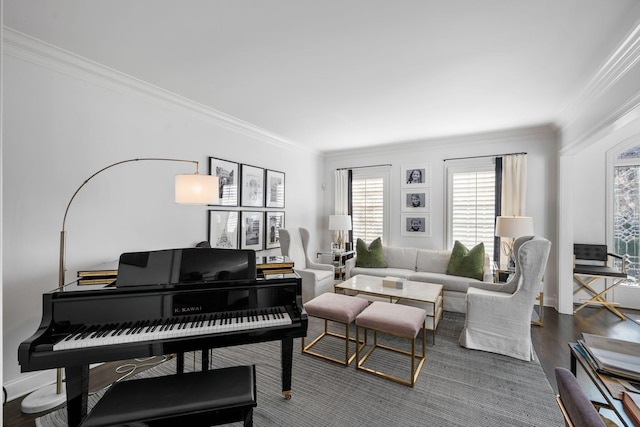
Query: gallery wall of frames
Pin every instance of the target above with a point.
(416, 201)
(250, 211)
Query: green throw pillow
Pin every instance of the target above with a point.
(465, 262)
(371, 256)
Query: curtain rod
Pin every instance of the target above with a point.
(360, 167)
(480, 157)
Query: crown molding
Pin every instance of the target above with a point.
(46, 55)
(459, 141)
(617, 66)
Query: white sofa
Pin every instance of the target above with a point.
(424, 265)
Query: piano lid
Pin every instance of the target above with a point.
(182, 266)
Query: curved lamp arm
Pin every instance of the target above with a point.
(207, 185)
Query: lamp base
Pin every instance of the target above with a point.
(43, 399)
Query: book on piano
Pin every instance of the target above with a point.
(267, 266)
(102, 274)
(104, 269)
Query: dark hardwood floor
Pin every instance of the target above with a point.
(550, 342)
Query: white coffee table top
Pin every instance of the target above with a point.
(416, 291)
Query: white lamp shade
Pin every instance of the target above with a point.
(340, 222)
(514, 226)
(197, 189)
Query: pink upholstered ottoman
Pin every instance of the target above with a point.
(336, 308)
(393, 319)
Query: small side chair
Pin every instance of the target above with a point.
(592, 263)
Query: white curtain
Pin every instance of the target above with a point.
(514, 184)
(341, 196)
(341, 192)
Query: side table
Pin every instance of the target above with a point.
(337, 259)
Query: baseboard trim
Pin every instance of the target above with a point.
(29, 383)
(33, 381)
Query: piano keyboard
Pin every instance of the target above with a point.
(177, 327)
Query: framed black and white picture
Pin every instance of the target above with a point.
(228, 178)
(417, 225)
(416, 176)
(416, 200)
(275, 189)
(223, 229)
(252, 230)
(274, 221)
(252, 186)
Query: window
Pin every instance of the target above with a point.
(471, 200)
(369, 206)
(623, 217)
(626, 208)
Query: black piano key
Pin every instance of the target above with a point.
(123, 328)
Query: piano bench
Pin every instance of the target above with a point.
(203, 398)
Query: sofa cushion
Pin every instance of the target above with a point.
(433, 261)
(370, 256)
(400, 257)
(467, 262)
(401, 273)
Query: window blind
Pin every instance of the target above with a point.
(473, 208)
(367, 208)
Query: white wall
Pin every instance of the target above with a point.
(606, 113)
(589, 197)
(65, 119)
(541, 144)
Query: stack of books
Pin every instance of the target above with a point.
(618, 359)
(101, 274)
(612, 356)
(631, 402)
(268, 266)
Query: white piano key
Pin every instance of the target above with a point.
(189, 326)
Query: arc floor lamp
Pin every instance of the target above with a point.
(189, 189)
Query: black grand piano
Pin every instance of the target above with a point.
(164, 302)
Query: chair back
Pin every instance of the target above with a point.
(587, 252)
(531, 260)
(291, 245)
(513, 282)
(576, 407)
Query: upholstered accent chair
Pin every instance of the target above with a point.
(499, 315)
(576, 407)
(316, 278)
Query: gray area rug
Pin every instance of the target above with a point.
(457, 387)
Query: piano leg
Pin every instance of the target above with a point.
(287, 363)
(180, 363)
(77, 386)
(205, 359)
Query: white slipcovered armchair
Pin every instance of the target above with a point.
(316, 278)
(499, 316)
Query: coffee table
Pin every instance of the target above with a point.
(427, 295)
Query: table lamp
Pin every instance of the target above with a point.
(512, 227)
(339, 224)
(189, 189)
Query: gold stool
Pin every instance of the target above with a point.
(393, 319)
(336, 308)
